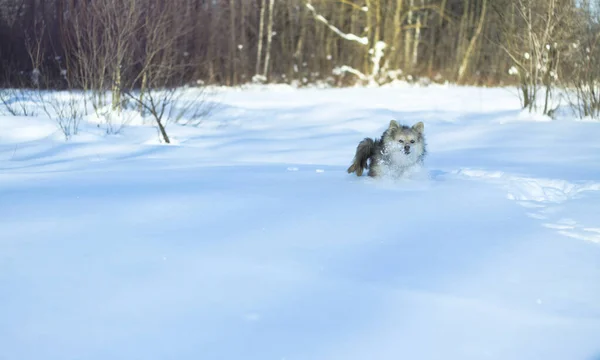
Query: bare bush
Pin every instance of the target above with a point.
(16, 102)
(102, 37)
(585, 84)
(162, 69)
(582, 85)
(64, 108)
(535, 52)
(193, 105)
(182, 105)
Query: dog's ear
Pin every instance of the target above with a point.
(394, 124)
(419, 127)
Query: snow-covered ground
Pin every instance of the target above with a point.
(246, 239)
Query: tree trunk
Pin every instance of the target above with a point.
(397, 34)
(232, 44)
(416, 42)
(298, 54)
(116, 89)
(462, 71)
(462, 32)
(408, 39)
(370, 27)
(261, 27)
(143, 88)
(163, 131)
(269, 39)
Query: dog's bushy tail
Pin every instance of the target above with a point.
(364, 151)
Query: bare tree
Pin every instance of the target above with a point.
(581, 82)
(233, 41)
(269, 39)
(261, 27)
(102, 38)
(534, 52)
(467, 59)
(162, 69)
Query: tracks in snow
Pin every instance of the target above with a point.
(544, 200)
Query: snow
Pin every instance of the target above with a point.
(247, 239)
(377, 53)
(345, 68)
(348, 36)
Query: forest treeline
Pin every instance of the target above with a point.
(123, 43)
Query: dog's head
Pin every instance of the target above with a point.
(408, 139)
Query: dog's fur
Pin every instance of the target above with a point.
(399, 149)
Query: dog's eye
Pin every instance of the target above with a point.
(400, 141)
(412, 141)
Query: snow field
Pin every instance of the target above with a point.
(246, 239)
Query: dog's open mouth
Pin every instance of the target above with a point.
(407, 152)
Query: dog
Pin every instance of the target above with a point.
(400, 148)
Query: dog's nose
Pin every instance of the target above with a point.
(406, 147)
